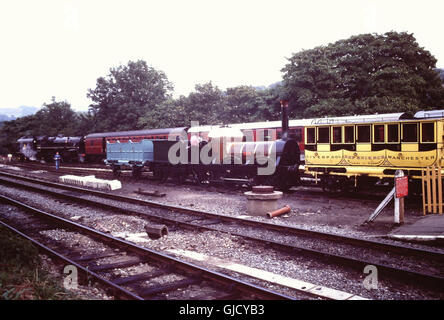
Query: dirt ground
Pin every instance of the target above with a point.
(310, 207)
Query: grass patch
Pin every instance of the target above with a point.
(21, 273)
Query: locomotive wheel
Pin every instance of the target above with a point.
(164, 175)
(160, 173)
(202, 177)
(259, 180)
(179, 179)
(136, 172)
(178, 176)
(283, 183)
(281, 180)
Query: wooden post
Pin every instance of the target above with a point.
(434, 188)
(423, 193)
(439, 190)
(429, 195)
(399, 200)
(401, 210)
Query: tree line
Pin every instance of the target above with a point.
(365, 74)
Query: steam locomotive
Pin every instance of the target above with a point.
(71, 149)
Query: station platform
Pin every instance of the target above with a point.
(428, 228)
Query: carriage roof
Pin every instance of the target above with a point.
(385, 117)
(136, 133)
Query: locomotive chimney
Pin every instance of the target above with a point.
(284, 107)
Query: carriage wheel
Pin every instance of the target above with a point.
(333, 185)
(116, 172)
(201, 177)
(136, 172)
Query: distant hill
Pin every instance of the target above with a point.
(4, 117)
(7, 114)
(441, 73)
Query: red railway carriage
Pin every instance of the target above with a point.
(95, 143)
(266, 131)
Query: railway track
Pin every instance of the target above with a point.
(183, 280)
(306, 190)
(66, 169)
(393, 260)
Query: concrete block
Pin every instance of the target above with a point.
(91, 182)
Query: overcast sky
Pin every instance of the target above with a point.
(59, 48)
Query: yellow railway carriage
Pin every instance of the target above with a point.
(356, 151)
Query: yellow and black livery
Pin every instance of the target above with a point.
(358, 150)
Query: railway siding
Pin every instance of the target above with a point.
(210, 224)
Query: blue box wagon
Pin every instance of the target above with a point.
(134, 155)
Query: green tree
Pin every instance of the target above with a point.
(55, 118)
(270, 109)
(363, 74)
(85, 123)
(126, 94)
(243, 104)
(14, 129)
(207, 105)
(52, 119)
(169, 114)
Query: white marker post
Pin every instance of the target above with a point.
(401, 191)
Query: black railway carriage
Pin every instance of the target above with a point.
(356, 151)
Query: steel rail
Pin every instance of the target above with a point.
(116, 289)
(398, 247)
(185, 267)
(424, 278)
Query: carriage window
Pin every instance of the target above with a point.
(349, 136)
(248, 135)
(378, 133)
(311, 135)
(291, 133)
(279, 134)
(363, 133)
(337, 134)
(393, 133)
(267, 135)
(295, 134)
(298, 134)
(428, 132)
(324, 135)
(409, 132)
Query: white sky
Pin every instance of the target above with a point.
(59, 48)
